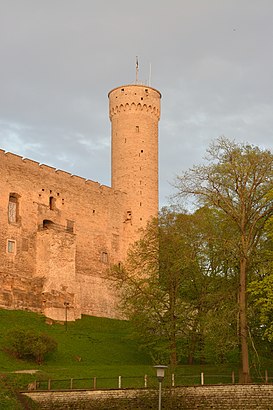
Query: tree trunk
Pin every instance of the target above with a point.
(244, 374)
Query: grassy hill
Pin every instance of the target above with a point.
(90, 347)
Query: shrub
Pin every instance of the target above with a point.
(29, 345)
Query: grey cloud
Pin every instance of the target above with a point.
(211, 60)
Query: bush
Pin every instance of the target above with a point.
(29, 345)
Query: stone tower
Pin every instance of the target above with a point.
(134, 114)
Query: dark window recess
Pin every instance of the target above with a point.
(70, 226)
(52, 202)
(47, 224)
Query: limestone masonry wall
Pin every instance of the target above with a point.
(221, 397)
(59, 232)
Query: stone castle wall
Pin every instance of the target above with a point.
(59, 233)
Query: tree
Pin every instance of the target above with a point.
(261, 286)
(238, 181)
(174, 284)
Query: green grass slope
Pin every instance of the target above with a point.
(90, 346)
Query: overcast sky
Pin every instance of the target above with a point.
(212, 60)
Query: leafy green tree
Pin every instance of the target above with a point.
(261, 286)
(173, 286)
(29, 345)
(237, 181)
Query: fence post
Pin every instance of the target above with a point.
(202, 378)
(71, 383)
(172, 379)
(49, 384)
(233, 377)
(145, 381)
(119, 382)
(94, 382)
(266, 376)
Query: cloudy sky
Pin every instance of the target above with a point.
(212, 60)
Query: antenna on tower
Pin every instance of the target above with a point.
(150, 76)
(136, 69)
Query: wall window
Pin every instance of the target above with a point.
(13, 208)
(70, 226)
(104, 257)
(11, 246)
(52, 201)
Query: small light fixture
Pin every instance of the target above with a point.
(160, 373)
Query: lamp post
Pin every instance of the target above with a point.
(160, 372)
(66, 304)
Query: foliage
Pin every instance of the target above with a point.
(238, 181)
(261, 287)
(29, 345)
(176, 284)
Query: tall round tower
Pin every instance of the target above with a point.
(134, 114)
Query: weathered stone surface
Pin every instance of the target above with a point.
(228, 397)
(60, 232)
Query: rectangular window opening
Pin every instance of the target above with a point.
(13, 208)
(11, 246)
(104, 257)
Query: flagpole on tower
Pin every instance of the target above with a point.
(136, 69)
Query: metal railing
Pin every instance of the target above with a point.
(145, 382)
